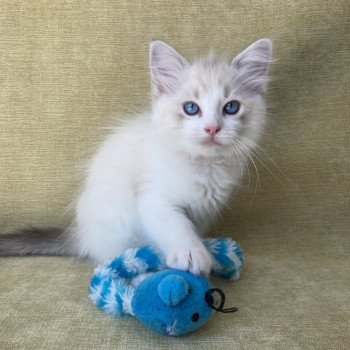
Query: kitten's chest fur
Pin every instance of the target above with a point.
(200, 187)
(212, 186)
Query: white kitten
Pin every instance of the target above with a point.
(164, 176)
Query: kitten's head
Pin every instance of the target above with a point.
(212, 105)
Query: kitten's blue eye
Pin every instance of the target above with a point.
(191, 108)
(231, 107)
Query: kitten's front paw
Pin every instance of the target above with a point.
(196, 259)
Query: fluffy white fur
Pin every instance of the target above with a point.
(163, 177)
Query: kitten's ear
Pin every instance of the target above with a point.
(167, 68)
(251, 66)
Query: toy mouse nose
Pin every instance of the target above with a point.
(172, 289)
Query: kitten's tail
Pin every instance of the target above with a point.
(37, 241)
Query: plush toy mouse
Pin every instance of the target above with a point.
(169, 301)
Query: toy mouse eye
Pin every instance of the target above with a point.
(195, 317)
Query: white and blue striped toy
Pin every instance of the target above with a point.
(169, 301)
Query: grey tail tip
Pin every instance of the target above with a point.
(50, 241)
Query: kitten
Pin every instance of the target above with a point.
(164, 176)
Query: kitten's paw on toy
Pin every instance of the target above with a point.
(195, 259)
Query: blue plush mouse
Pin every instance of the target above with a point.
(169, 301)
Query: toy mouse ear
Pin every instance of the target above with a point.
(172, 289)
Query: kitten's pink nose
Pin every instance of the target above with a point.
(212, 130)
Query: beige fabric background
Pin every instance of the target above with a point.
(69, 68)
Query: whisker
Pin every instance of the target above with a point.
(253, 153)
(240, 166)
(249, 125)
(246, 167)
(267, 155)
(247, 152)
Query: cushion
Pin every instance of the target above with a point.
(70, 70)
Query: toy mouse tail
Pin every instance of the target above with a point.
(38, 241)
(114, 297)
(227, 255)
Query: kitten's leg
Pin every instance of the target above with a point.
(169, 227)
(105, 226)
